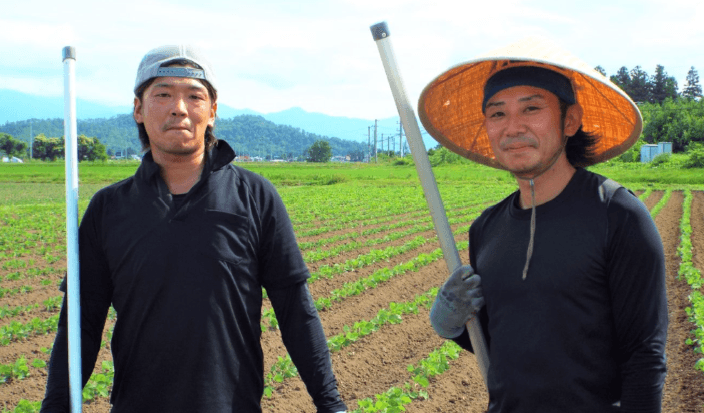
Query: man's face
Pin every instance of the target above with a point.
(175, 112)
(525, 128)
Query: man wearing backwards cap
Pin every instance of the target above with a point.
(182, 250)
(571, 291)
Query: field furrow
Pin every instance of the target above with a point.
(677, 390)
(367, 367)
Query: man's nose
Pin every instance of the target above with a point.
(179, 107)
(515, 125)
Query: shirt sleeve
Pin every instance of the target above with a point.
(280, 260)
(303, 335)
(95, 297)
(636, 271)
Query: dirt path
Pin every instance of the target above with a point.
(684, 386)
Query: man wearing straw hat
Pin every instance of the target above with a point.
(567, 274)
(182, 250)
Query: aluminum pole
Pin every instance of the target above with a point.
(73, 290)
(380, 32)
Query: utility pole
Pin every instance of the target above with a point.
(400, 138)
(31, 139)
(369, 144)
(375, 142)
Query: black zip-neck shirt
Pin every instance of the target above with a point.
(186, 282)
(587, 327)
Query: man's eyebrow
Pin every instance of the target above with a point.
(523, 99)
(537, 95)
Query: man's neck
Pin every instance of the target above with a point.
(548, 185)
(180, 172)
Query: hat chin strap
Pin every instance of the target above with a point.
(531, 243)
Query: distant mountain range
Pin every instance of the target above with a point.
(17, 106)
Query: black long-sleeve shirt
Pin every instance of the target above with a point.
(185, 281)
(588, 325)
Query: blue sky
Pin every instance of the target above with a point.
(319, 55)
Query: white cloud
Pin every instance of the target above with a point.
(319, 55)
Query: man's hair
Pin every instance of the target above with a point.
(580, 146)
(210, 139)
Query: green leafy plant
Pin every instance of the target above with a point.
(688, 272)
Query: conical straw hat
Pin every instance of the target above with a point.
(450, 107)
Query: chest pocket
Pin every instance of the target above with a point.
(226, 237)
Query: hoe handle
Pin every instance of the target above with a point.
(73, 291)
(380, 32)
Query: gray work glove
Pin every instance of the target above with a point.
(459, 299)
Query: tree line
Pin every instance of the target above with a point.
(247, 134)
(50, 149)
(668, 114)
(644, 88)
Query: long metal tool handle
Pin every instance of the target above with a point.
(73, 291)
(380, 32)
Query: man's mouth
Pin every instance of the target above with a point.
(518, 144)
(177, 127)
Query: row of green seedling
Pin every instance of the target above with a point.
(394, 399)
(284, 367)
(661, 204)
(24, 289)
(417, 210)
(399, 224)
(318, 255)
(50, 304)
(687, 271)
(364, 260)
(371, 257)
(18, 370)
(16, 331)
(33, 272)
(358, 286)
(420, 218)
(9, 292)
(645, 194)
(25, 406)
(401, 200)
(100, 383)
(10, 312)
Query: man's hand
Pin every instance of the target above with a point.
(459, 299)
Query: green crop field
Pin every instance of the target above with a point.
(368, 240)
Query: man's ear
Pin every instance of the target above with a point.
(137, 113)
(573, 119)
(213, 113)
